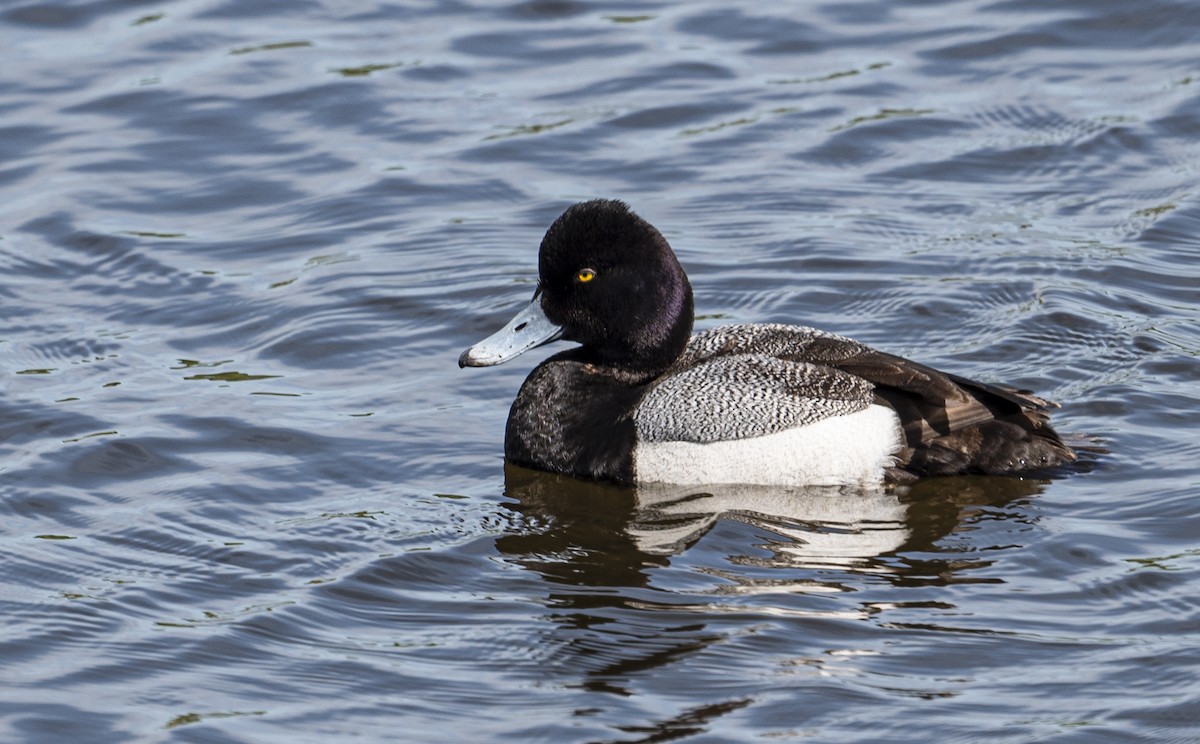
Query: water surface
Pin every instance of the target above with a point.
(247, 495)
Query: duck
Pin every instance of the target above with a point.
(641, 399)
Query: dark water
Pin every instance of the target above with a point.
(247, 495)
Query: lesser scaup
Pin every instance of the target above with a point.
(643, 400)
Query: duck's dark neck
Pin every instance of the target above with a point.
(668, 334)
(662, 329)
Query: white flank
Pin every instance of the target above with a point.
(843, 450)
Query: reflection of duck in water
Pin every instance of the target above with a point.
(614, 614)
(641, 400)
(825, 525)
(616, 530)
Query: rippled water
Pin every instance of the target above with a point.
(247, 495)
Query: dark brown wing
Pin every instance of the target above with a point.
(930, 403)
(956, 425)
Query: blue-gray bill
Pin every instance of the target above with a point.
(530, 328)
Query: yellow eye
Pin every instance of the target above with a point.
(585, 275)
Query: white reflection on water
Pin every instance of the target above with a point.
(820, 526)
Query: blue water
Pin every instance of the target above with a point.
(248, 496)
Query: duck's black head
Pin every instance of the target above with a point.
(610, 280)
